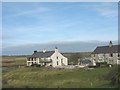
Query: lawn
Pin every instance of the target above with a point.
(35, 77)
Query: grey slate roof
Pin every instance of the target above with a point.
(107, 49)
(41, 54)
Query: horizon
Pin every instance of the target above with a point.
(64, 47)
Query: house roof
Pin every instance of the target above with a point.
(107, 49)
(41, 54)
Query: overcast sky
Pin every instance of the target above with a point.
(41, 23)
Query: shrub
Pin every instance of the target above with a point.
(101, 64)
(114, 75)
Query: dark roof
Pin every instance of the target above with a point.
(107, 49)
(41, 54)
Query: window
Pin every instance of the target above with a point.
(61, 60)
(57, 57)
(101, 57)
(118, 54)
(111, 55)
(45, 63)
(28, 59)
(35, 59)
(94, 55)
(57, 62)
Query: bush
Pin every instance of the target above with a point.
(114, 75)
(101, 64)
(74, 58)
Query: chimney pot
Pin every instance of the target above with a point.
(110, 44)
(56, 49)
(44, 50)
(35, 51)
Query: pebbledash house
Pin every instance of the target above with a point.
(109, 54)
(47, 58)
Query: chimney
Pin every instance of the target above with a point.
(56, 49)
(44, 50)
(110, 44)
(35, 51)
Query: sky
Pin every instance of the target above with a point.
(60, 0)
(38, 23)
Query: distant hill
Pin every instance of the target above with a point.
(64, 46)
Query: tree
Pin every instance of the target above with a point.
(74, 58)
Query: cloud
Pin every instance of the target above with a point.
(107, 9)
(31, 12)
(38, 10)
(107, 12)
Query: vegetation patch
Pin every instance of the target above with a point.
(49, 78)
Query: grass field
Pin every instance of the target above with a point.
(13, 61)
(35, 77)
(14, 76)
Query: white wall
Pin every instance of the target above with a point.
(59, 59)
(107, 58)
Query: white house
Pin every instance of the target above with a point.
(47, 58)
(109, 54)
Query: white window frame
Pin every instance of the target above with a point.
(101, 57)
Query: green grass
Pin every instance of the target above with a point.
(47, 78)
(33, 77)
(11, 61)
